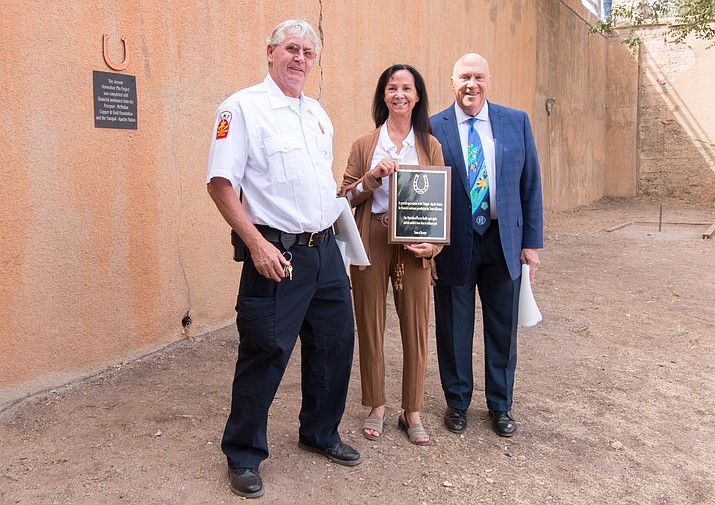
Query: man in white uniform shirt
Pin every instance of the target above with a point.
(276, 145)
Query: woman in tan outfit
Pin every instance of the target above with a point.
(402, 137)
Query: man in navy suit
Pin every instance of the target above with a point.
(490, 239)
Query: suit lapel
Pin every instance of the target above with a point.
(497, 130)
(451, 133)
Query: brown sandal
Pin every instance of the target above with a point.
(373, 423)
(414, 432)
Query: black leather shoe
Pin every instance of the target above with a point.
(503, 423)
(246, 482)
(340, 453)
(455, 420)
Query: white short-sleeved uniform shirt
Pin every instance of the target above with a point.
(279, 151)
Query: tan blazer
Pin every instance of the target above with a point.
(358, 170)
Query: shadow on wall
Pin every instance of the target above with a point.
(699, 136)
(675, 150)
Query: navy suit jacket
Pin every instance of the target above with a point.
(518, 200)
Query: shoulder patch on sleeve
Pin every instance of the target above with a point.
(223, 125)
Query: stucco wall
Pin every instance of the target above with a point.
(108, 236)
(587, 144)
(621, 122)
(576, 132)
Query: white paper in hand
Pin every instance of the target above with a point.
(348, 238)
(529, 313)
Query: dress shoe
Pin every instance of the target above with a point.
(455, 420)
(246, 482)
(340, 453)
(503, 423)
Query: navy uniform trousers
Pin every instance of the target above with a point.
(454, 318)
(316, 304)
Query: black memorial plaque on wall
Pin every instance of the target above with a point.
(115, 101)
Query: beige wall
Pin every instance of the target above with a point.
(108, 236)
(676, 143)
(361, 44)
(621, 122)
(587, 144)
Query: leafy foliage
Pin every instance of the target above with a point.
(684, 17)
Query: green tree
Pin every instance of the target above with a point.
(684, 17)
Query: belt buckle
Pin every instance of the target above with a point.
(311, 240)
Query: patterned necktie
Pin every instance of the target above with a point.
(478, 182)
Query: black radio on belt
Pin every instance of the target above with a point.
(240, 250)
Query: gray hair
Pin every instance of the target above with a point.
(294, 28)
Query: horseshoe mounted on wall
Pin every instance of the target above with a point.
(115, 66)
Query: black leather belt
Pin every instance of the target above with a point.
(311, 239)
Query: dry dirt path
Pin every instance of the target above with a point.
(614, 397)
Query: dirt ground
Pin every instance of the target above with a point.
(614, 397)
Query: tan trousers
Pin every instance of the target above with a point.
(412, 304)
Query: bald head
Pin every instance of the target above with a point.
(470, 59)
(471, 81)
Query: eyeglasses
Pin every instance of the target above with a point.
(295, 51)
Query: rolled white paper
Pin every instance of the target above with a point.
(348, 238)
(529, 313)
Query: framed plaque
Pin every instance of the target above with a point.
(420, 205)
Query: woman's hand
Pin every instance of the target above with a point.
(422, 250)
(433, 274)
(384, 168)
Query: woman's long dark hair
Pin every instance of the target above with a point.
(420, 114)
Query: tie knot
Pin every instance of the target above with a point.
(472, 120)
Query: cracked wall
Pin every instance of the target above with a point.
(109, 237)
